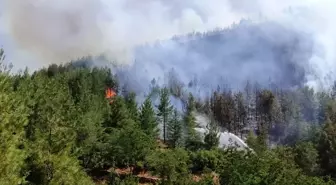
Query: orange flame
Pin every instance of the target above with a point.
(109, 93)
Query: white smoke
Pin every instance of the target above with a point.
(58, 31)
(62, 30)
(226, 139)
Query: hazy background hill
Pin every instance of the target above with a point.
(257, 52)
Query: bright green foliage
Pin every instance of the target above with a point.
(55, 117)
(14, 116)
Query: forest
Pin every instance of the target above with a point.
(58, 127)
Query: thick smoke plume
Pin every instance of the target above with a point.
(63, 30)
(58, 31)
(265, 53)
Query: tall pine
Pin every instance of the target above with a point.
(175, 129)
(190, 122)
(132, 106)
(165, 110)
(14, 116)
(148, 121)
(211, 138)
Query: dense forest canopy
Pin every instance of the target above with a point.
(58, 127)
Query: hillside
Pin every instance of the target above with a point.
(57, 127)
(259, 52)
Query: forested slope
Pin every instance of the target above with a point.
(58, 128)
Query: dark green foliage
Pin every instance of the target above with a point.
(118, 113)
(148, 121)
(165, 110)
(128, 180)
(256, 143)
(271, 167)
(132, 106)
(175, 130)
(326, 149)
(130, 144)
(211, 138)
(207, 160)
(170, 165)
(192, 137)
(253, 141)
(306, 156)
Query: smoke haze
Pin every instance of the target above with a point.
(62, 30)
(263, 53)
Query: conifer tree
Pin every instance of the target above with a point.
(211, 138)
(175, 129)
(190, 122)
(148, 120)
(118, 113)
(265, 103)
(132, 106)
(130, 144)
(14, 116)
(241, 115)
(327, 142)
(165, 110)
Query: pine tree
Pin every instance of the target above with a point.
(14, 116)
(265, 104)
(130, 101)
(229, 110)
(327, 142)
(130, 144)
(175, 130)
(165, 110)
(190, 122)
(211, 138)
(241, 115)
(326, 149)
(307, 101)
(148, 120)
(118, 113)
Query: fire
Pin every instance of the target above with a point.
(109, 94)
